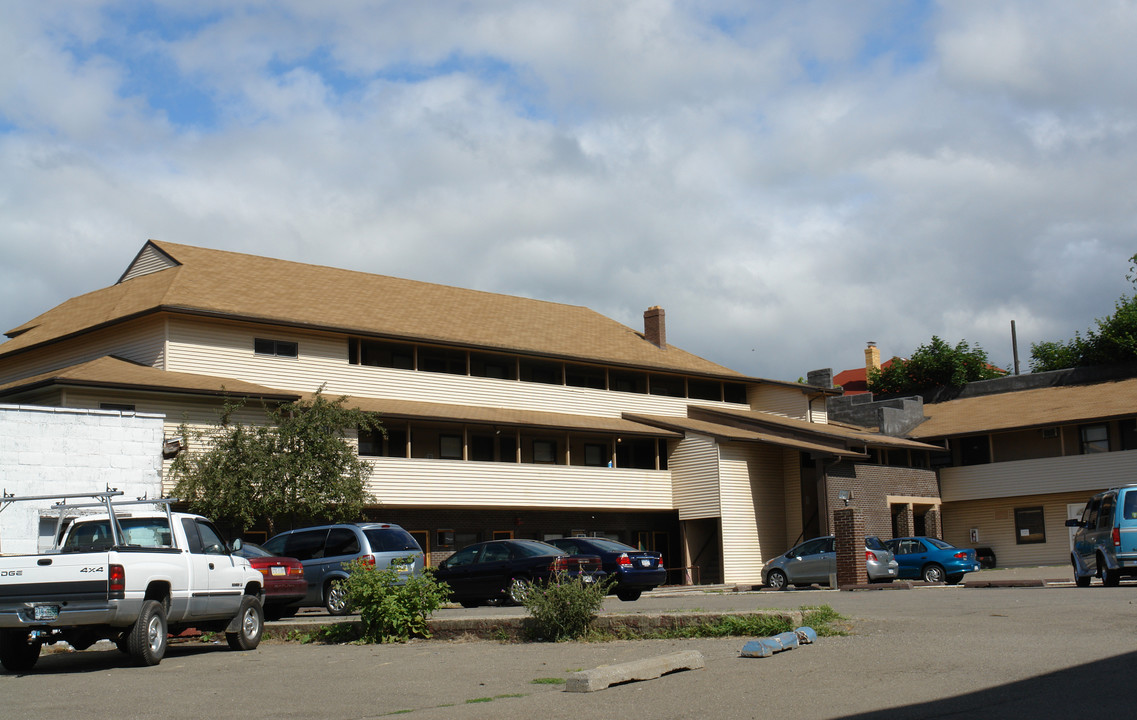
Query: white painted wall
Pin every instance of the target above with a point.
(46, 450)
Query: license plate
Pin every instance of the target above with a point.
(46, 612)
(402, 568)
(587, 578)
(278, 570)
(645, 563)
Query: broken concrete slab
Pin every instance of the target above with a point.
(649, 669)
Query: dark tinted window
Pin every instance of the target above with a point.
(533, 548)
(442, 360)
(585, 376)
(873, 543)
(305, 544)
(1105, 516)
(465, 556)
(192, 537)
(1130, 507)
(211, 540)
(390, 540)
(341, 541)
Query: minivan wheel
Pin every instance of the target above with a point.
(1109, 578)
(933, 573)
(335, 598)
(1080, 580)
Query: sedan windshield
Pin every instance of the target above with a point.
(940, 543)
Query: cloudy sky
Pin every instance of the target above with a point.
(788, 180)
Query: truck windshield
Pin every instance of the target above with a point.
(86, 536)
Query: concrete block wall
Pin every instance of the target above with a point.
(49, 450)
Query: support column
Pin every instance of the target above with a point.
(849, 529)
(932, 525)
(905, 521)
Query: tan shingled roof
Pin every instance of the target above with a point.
(405, 409)
(728, 432)
(1040, 407)
(249, 287)
(115, 372)
(837, 432)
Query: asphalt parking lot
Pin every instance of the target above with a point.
(1004, 652)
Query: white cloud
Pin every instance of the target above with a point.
(788, 181)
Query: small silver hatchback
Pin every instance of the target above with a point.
(815, 560)
(323, 550)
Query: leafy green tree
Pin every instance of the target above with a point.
(932, 366)
(1112, 341)
(298, 464)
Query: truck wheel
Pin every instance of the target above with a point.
(17, 655)
(251, 623)
(146, 640)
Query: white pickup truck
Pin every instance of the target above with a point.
(128, 576)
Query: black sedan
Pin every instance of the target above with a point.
(504, 569)
(634, 570)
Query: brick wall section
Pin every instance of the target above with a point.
(45, 450)
(872, 484)
(849, 528)
(905, 521)
(933, 526)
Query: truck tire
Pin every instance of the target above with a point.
(146, 640)
(17, 655)
(250, 623)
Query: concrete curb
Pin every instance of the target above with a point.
(512, 628)
(605, 676)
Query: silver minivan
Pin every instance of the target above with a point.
(323, 550)
(1105, 543)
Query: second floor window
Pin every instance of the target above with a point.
(278, 348)
(1095, 439)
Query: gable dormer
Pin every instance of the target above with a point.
(150, 259)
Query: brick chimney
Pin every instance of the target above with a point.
(872, 358)
(654, 330)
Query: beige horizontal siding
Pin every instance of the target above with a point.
(753, 510)
(1037, 477)
(141, 341)
(449, 483)
(695, 477)
(148, 261)
(226, 350)
(995, 520)
(781, 400)
(791, 483)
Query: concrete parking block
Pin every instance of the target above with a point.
(603, 677)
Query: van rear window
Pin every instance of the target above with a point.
(391, 540)
(1130, 507)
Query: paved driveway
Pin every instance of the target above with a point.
(934, 652)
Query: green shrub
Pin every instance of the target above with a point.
(564, 609)
(390, 612)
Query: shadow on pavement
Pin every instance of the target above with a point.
(1101, 689)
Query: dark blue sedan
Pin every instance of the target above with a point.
(634, 570)
(931, 559)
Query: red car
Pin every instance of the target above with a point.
(283, 579)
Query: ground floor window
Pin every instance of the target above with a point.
(1030, 526)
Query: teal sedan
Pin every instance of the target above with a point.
(931, 559)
